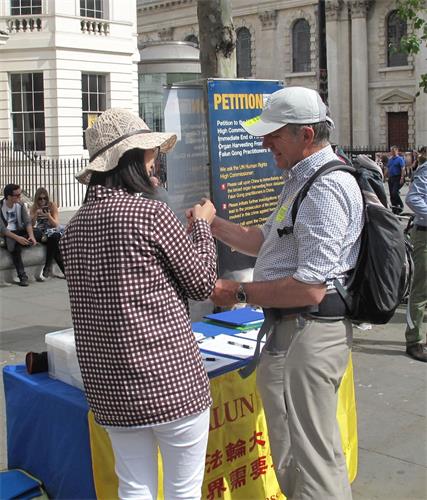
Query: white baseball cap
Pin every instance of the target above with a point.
(298, 105)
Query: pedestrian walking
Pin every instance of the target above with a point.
(396, 178)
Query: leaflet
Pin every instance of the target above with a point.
(228, 345)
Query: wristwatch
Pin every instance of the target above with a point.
(241, 296)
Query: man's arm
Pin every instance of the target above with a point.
(19, 239)
(416, 199)
(247, 240)
(282, 293)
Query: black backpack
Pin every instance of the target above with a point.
(378, 283)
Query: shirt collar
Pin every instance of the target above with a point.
(306, 167)
(98, 192)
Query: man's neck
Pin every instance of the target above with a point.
(9, 203)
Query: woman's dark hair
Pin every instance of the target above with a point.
(129, 175)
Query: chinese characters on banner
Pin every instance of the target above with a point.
(238, 460)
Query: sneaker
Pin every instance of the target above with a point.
(47, 272)
(40, 278)
(23, 282)
(417, 351)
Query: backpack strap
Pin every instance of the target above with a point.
(331, 166)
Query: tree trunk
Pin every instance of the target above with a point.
(217, 39)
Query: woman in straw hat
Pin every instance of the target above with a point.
(130, 268)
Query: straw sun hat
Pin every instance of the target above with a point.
(112, 134)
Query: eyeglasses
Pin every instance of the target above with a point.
(42, 198)
(17, 195)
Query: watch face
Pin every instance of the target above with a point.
(241, 295)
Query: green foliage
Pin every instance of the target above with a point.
(414, 13)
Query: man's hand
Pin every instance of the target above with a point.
(224, 293)
(23, 241)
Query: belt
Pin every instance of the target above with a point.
(332, 307)
(420, 228)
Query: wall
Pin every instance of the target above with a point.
(62, 50)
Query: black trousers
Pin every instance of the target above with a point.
(52, 249)
(394, 188)
(15, 250)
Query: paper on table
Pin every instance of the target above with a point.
(229, 345)
(198, 336)
(213, 361)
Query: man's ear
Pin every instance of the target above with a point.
(308, 134)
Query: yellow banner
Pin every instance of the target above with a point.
(238, 460)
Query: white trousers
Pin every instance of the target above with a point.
(182, 445)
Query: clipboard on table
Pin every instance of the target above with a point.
(210, 329)
(245, 317)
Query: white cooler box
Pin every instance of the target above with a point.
(62, 358)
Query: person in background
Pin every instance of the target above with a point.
(416, 199)
(131, 268)
(15, 226)
(396, 178)
(383, 161)
(309, 339)
(45, 219)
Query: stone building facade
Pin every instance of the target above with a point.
(62, 64)
(343, 48)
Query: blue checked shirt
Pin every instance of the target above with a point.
(326, 238)
(416, 199)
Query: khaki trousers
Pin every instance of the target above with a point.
(298, 377)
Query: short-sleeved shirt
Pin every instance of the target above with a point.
(11, 216)
(130, 267)
(325, 241)
(395, 165)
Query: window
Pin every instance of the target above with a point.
(91, 8)
(94, 98)
(396, 30)
(192, 39)
(301, 47)
(25, 7)
(243, 53)
(28, 111)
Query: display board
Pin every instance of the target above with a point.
(245, 183)
(215, 157)
(188, 177)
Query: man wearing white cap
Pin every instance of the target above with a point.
(309, 340)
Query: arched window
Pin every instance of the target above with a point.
(192, 39)
(396, 29)
(243, 53)
(301, 47)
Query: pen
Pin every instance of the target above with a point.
(210, 359)
(238, 343)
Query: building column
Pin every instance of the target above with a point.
(265, 64)
(335, 82)
(420, 65)
(359, 77)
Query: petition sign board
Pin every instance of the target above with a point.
(245, 183)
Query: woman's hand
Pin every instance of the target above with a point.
(40, 213)
(203, 210)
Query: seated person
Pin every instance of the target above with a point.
(45, 219)
(15, 226)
